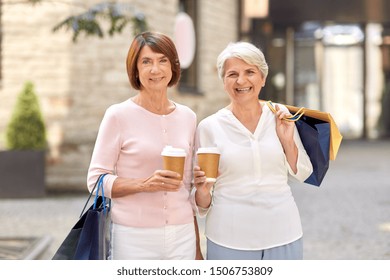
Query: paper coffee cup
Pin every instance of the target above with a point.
(173, 159)
(208, 161)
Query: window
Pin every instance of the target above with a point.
(1, 41)
(188, 80)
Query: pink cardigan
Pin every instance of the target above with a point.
(129, 144)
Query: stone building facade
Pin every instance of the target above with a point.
(76, 82)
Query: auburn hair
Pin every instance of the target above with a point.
(159, 43)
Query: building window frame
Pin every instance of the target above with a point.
(189, 77)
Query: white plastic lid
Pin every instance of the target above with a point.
(173, 152)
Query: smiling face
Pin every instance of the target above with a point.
(154, 70)
(242, 81)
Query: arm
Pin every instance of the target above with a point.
(161, 180)
(202, 194)
(285, 132)
(199, 255)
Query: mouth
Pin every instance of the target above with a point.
(156, 79)
(243, 90)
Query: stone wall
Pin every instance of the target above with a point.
(76, 82)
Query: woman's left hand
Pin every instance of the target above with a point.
(202, 195)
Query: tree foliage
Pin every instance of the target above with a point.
(90, 21)
(26, 129)
(118, 15)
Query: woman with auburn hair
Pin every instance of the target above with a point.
(152, 212)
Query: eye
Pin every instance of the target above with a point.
(164, 60)
(145, 61)
(231, 75)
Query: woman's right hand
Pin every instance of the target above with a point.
(162, 180)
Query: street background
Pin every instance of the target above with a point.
(348, 217)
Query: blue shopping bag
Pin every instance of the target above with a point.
(319, 135)
(89, 237)
(315, 137)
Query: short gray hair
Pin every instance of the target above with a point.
(245, 51)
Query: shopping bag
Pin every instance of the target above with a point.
(315, 137)
(89, 237)
(320, 137)
(335, 135)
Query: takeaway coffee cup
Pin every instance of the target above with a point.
(173, 159)
(208, 161)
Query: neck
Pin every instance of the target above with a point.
(247, 111)
(155, 103)
(248, 115)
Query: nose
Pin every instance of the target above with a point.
(155, 68)
(240, 79)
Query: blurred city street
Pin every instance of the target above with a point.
(348, 217)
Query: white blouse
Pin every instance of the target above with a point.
(252, 205)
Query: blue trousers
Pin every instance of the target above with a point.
(291, 251)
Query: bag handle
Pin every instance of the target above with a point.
(100, 187)
(99, 184)
(292, 118)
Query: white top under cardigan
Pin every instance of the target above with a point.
(252, 206)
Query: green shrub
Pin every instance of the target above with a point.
(26, 129)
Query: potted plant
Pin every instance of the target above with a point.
(22, 165)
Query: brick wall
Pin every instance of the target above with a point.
(77, 82)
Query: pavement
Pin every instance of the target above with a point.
(347, 217)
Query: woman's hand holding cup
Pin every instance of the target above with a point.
(163, 180)
(203, 188)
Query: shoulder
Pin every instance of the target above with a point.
(116, 112)
(274, 104)
(283, 107)
(211, 120)
(185, 110)
(120, 108)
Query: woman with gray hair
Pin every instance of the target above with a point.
(250, 210)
